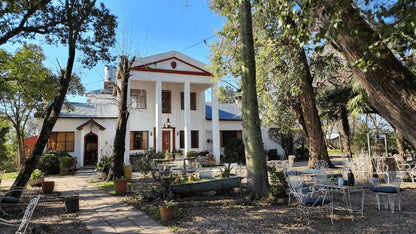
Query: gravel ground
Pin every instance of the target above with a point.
(213, 213)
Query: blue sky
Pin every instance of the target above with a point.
(147, 28)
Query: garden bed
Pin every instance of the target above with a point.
(205, 186)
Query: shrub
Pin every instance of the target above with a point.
(234, 151)
(105, 164)
(192, 154)
(278, 184)
(65, 162)
(49, 161)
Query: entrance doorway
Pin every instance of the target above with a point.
(166, 141)
(90, 149)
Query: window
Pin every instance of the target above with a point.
(226, 136)
(139, 140)
(61, 141)
(138, 98)
(193, 101)
(194, 139)
(166, 101)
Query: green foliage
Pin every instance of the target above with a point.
(169, 203)
(9, 175)
(37, 174)
(191, 154)
(65, 162)
(234, 151)
(105, 164)
(278, 184)
(49, 161)
(359, 140)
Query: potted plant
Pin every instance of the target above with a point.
(120, 186)
(65, 164)
(225, 173)
(71, 204)
(103, 167)
(166, 210)
(36, 178)
(47, 186)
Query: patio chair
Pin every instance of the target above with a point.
(316, 201)
(24, 223)
(12, 206)
(390, 190)
(295, 175)
(404, 168)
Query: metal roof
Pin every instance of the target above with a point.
(229, 111)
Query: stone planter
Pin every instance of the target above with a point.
(71, 204)
(166, 212)
(48, 186)
(120, 186)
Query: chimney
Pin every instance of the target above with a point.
(106, 68)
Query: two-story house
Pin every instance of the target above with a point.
(168, 110)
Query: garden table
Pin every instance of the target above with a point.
(346, 191)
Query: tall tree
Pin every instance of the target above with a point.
(21, 19)
(26, 85)
(256, 161)
(123, 74)
(390, 86)
(90, 29)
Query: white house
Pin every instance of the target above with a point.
(168, 111)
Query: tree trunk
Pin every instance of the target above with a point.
(389, 84)
(117, 164)
(344, 128)
(257, 179)
(400, 141)
(51, 116)
(312, 123)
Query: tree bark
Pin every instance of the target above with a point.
(257, 179)
(344, 128)
(400, 141)
(117, 164)
(312, 123)
(390, 86)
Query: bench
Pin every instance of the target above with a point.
(24, 223)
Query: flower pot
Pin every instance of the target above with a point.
(120, 186)
(47, 186)
(36, 182)
(166, 212)
(71, 204)
(128, 172)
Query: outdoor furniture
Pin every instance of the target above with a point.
(24, 223)
(10, 205)
(390, 190)
(404, 168)
(346, 203)
(316, 201)
(321, 164)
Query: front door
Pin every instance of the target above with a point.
(166, 141)
(90, 149)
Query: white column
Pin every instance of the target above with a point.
(187, 116)
(158, 107)
(215, 124)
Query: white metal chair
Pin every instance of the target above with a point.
(404, 168)
(24, 223)
(390, 190)
(316, 201)
(11, 206)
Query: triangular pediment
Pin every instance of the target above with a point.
(171, 62)
(90, 122)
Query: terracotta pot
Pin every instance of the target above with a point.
(47, 186)
(71, 204)
(120, 186)
(166, 212)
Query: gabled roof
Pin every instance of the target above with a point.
(227, 111)
(171, 62)
(90, 110)
(91, 121)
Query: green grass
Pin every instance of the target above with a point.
(10, 175)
